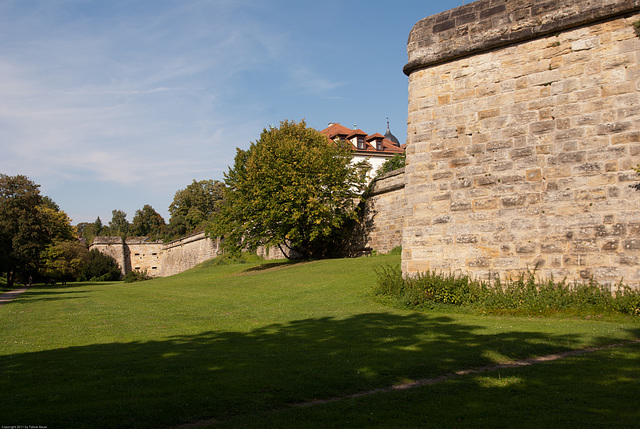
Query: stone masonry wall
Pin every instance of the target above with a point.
(144, 256)
(134, 253)
(384, 213)
(114, 247)
(181, 255)
(523, 129)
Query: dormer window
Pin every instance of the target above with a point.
(360, 143)
(375, 140)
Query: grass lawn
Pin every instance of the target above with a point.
(241, 343)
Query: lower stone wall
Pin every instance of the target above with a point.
(185, 253)
(143, 256)
(385, 209)
(114, 247)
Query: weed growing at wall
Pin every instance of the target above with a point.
(525, 295)
(136, 276)
(636, 26)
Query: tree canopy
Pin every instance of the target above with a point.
(194, 207)
(292, 187)
(148, 222)
(119, 225)
(65, 260)
(28, 224)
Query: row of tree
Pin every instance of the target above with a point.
(192, 209)
(37, 238)
(291, 188)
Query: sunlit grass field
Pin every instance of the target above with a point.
(240, 345)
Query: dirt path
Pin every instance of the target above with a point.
(10, 296)
(439, 379)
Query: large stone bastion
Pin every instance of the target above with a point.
(523, 134)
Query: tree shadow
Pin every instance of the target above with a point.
(218, 374)
(47, 295)
(274, 265)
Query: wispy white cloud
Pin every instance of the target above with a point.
(149, 94)
(310, 81)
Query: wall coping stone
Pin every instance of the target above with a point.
(103, 239)
(488, 24)
(382, 184)
(187, 239)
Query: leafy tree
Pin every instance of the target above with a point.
(65, 260)
(177, 226)
(28, 224)
(90, 230)
(56, 224)
(292, 187)
(83, 230)
(148, 222)
(397, 161)
(48, 202)
(193, 207)
(100, 267)
(20, 229)
(119, 225)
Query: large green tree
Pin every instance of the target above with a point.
(119, 225)
(64, 260)
(148, 222)
(28, 224)
(292, 188)
(194, 207)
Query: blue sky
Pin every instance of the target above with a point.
(114, 104)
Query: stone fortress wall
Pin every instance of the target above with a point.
(134, 253)
(523, 131)
(185, 253)
(160, 259)
(384, 213)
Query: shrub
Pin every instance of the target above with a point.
(101, 267)
(136, 276)
(525, 294)
(391, 164)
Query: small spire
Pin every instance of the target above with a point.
(390, 136)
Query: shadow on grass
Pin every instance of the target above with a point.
(40, 292)
(48, 295)
(273, 265)
(225, 374)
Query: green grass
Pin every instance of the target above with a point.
(240, 343)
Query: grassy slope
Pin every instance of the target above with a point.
(219, 342)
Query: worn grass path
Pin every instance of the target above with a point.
(11, 295)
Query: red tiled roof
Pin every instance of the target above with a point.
(335, 130)
(376, 136)
(357, 132)
(340, 131)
